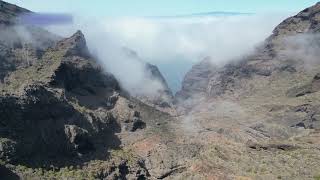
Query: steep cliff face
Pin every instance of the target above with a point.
(164, 96)
(161, 95)
(62, 116)
(307, 21)
(65, 110)
(40, 104)
(60, 108)
(196, 80)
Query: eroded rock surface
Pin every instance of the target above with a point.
(62, 116)
(267, 100)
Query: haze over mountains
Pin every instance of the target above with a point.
(204, 14)
(174, 44)
(91, 106)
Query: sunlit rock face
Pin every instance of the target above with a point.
(60, 107)
(63, 116)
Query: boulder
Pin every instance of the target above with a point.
(78, 138)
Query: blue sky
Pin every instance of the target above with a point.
(161, 7)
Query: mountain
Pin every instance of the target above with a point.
(10, 12)
(196, 80)
(59, 108)
(271, 57)
(163, 97)
(265, 106)
(63, 116)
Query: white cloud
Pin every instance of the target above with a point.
(193, 38)
(171, 40)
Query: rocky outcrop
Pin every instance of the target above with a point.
(163, 96)
(63, 117)
(48, 108)
(36, 119)
(308, 88)
(304, 22)
(74, 46)
(59, 108)
(196, 80)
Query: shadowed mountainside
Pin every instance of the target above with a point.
(62, 116)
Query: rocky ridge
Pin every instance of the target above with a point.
(64, 117)
(60, 109)
(267, 101)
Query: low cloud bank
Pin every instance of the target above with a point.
(169, 42)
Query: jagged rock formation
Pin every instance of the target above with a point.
(59, 108)
(196, 80)
(63, 117)
(38, 98)
(163, 97)
(65, 110)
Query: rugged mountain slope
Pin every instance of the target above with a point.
(59, 109)
(64, 110)
(10, 12)
(260, 112)
(272, 57)
(63, 117)
(20, 46)
(196, 80)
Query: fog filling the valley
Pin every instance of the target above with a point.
(174, 44)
